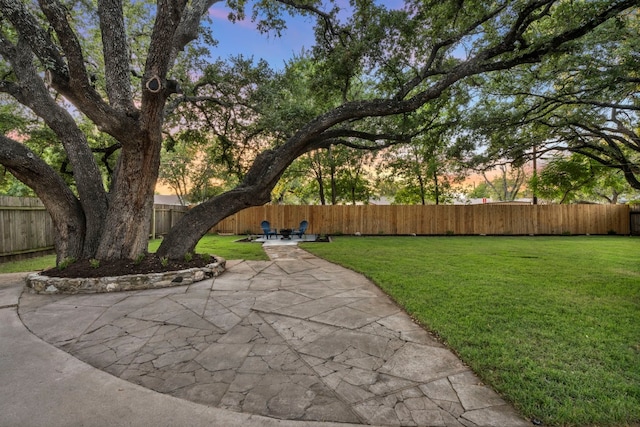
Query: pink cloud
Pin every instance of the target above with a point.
(223, 14)
(218, 13)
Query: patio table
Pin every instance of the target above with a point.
(286, 233)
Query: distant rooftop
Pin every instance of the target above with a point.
(170, 199)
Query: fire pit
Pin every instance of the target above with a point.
(286, 233)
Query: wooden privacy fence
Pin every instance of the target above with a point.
(26, 227)
(164, 218)
(435, 220)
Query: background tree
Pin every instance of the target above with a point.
(422, 173)
(295, 187)
(586, 104)
(194, 168)
(480, 190)
(566, 179)
(502, 182)
(563, 178)
(427, 168)
(507, 184)
(610, 186)
(321, 165)
(123, 84)
(351, 180)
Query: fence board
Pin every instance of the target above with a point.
(488, 219)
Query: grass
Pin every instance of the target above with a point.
(223, 246)
(30, 264)
(226, 247)
(551, 323)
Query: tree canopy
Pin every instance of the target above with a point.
(116, 66)
(586, 104)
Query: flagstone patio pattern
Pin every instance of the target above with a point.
(294, 338)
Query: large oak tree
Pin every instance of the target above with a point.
(410, 57)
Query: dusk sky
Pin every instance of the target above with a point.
(243, 37)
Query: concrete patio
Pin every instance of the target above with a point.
(291, 341)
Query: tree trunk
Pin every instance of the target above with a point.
(422, 190)
(319, 177)
(254, 190)
(30, 90)
(323, 200)
(505, 185)
(63, 207)
(132, 199)
(334, 187)
(436, 187)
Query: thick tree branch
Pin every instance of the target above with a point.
(168, 17)
(107, 152)
(337, 137)
(536, 52)
(56, 14)
(426, 69)
(39, 40)
(69, 78)
(116, 55)
(626, 130)
(561, 100)
(614, 141)
(187, 30)
(63, 207)
(32, 93)
(604, 150)
(79, 89)
(628, 169)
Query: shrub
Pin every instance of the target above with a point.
(66, 262)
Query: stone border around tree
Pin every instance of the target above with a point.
(39, 284)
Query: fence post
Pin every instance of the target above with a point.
(634, 220)
(153, 223)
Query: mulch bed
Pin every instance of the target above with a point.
(150, 264)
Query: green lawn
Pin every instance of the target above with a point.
(223, 246)
(552, 323)
(226, 247)
(30, 264)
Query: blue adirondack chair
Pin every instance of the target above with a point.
(303, 228)
(266, 229)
